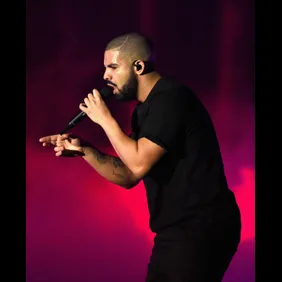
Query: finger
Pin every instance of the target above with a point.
(52, 139)
(58, 153)
(58, 148)
(83, 107)
(66, 145)
(47, 142)
(60, 142)
(48, 139)
(96, 94)
(86, 101)
(45, 139)
(91, 97)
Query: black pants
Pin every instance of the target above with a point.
(180, 255)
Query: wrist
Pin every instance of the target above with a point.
(84, 151)
(107, 122)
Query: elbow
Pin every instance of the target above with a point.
(131, 181)
(133, 178)
(139, 172)
(128, 186)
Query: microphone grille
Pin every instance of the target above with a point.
(106, 92)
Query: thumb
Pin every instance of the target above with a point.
(69, 145)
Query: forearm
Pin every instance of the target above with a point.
(125, 147)
(110, 167)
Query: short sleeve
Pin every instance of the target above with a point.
(132, 135)
(164, 120)
(134, 126)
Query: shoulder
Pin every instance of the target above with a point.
(170, 94)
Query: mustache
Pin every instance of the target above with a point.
(111, 83)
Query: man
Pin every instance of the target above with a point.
(173, 148)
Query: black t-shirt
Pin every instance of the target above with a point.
(188, 183)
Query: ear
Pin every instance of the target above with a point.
(139, 67)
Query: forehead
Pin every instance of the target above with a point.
(113, 57)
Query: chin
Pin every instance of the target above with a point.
(116, 91)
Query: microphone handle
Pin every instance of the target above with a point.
(106, 93)
(73, 122)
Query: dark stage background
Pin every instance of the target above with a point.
(79, 227)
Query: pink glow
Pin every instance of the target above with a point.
(245, 195)
(79, 227)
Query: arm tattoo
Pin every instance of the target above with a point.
(103, 159)
(118, 163)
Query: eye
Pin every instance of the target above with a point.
(112, 66)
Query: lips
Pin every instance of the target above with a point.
(111, 85)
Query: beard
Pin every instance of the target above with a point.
(128, 92)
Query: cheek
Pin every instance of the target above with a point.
(121, 78)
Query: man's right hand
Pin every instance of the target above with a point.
(64, 145)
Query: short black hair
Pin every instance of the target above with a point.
(133, 46)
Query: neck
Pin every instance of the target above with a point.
(146, 84)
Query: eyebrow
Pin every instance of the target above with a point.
(112, 65)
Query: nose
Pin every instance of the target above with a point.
(107, 75)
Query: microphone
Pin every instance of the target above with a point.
(106, 93)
